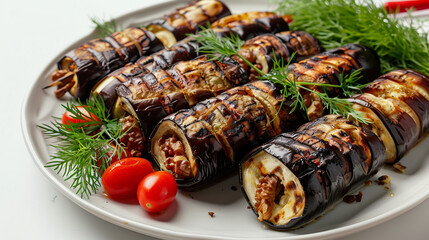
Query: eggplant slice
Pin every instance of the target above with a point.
(311, 175)
(152, 96)
(186, 20)
(80, 69)
(237, 120)
(187, 49)
(250, 24)
(327, 158)
(212, 135)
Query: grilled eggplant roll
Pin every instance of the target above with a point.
(156, 94)
(106, 88)
(174, 26)
(296, 176)
(250, 24)
(199, 145)
(262, 50)
(187, 49)
(397, 105)
(80, 69)
(328, 67)
(233, 123)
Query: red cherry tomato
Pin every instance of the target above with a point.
(157, 191)
(121, 179)
(69, 117)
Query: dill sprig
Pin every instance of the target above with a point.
(350, 83)
(291, 89)
(104, 28)
(218, 48)
(400, 44)
(82, 146)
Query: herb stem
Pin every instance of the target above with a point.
(250, 64)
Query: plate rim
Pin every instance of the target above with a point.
(159, 232)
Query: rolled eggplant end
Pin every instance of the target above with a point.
(172, 152)
(273, 191)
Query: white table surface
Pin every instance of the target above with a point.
(32, 34)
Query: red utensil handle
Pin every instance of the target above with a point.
(403, 6)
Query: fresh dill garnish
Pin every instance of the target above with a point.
(350, 83)
(218, 48)
(82, 146)
(104, 28)
(291, 89)
(400, 44)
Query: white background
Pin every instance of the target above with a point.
(32, 34)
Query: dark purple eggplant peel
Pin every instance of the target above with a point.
(201, 144)
(80, 69)
(245, 24)
(152, 96)
(297, 176)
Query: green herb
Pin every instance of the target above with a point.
(104, 28)
(400, 44)
(218, 48)
(291, 89)
(82, 147)
(350, 83)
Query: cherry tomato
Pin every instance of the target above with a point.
(121, 179)
(69, 117)
(157, 191)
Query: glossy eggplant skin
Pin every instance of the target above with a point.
(156, 94)
(267, 114)
(162, 92)
(187, 49)
(320, 168)
(415, 86)
(250, 24)
(80, 69)
(235, 120)
(395, 104)
(188, 19)
(93, 60)
(106, 88)
(327, 67)
(262, 50)
(208, 153)
(400, 100)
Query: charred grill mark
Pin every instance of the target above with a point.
(327, 68)
(250, 24)
(333, 155)
(95, 59)
(186, 19)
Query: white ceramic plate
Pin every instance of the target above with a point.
(188, 217)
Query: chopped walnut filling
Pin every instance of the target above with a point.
(175, 157)
(133, 137)
(399, 167)
(353, 198)
(268, 192)
(383, 180)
